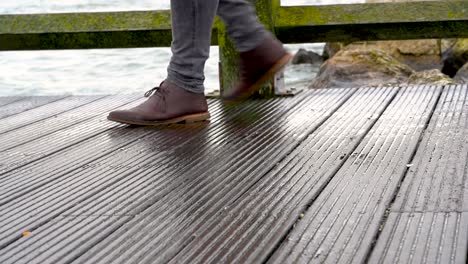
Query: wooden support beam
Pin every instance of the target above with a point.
(361, 32)
(297, 24)
(86, 30)
(382, 21)
(378, 21)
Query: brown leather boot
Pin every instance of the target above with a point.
(167, 104)
(257, 67)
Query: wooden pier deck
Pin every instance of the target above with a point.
(376, 175)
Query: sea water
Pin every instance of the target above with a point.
(108, 71)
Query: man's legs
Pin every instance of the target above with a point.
(261, 55)
(180, 98)
(242, 24)
(192, 22)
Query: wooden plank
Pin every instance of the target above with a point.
(29, 152)
(48, 182)
(351, 33)
(381, 21)
(375, 13)
(17, 164)
(131, 29)
(231, 189)
(14, 138)
(209, 167)
(85, 22)
(4, 100)
(342, 223)
(27, 104)
(378, 21)
(251, 228)
(427, 222)
(43, 112)
(423, 237)
(85, 30)
(86, 40)
(127, 141)
(208, 201)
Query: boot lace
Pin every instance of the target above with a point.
(154, 90)
(160, 93)
(157, 91)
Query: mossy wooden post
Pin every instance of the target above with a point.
(228, 73)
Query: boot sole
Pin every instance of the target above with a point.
(280, 64)
(186, 119)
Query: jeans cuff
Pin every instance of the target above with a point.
(190, 86)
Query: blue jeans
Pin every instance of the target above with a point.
(192, 22)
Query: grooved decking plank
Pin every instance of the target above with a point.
(180, 182)
(5, 100)
(109, 168)
(14, 138)
(208, 194)
(428, 221)
(423, 237)
(87, 142)
(46, 186)
(27, 104)
(49, 144)
(341, 224)
(250, 229)
(43, 112)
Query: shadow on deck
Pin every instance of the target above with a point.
(334, 176)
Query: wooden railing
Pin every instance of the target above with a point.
(295, 24)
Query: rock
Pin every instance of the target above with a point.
(356, 68)
(462, 75)
(433, 77)
(418, 54)
(386, 1)
(454, 55)
(331, 48)
(306, 57)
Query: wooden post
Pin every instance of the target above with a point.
(266, 11)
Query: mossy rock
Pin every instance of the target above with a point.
(430, 77)
(418, 54)
(331, 48)
(462, 75)
(454, 55)
(303, 56)
(395, 1)
(356, 68)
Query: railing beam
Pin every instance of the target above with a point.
(378, 21)
(131, 29)
(351, 33)
(297, 24)
(381, 21)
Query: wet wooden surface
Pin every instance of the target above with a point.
(376, 175)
